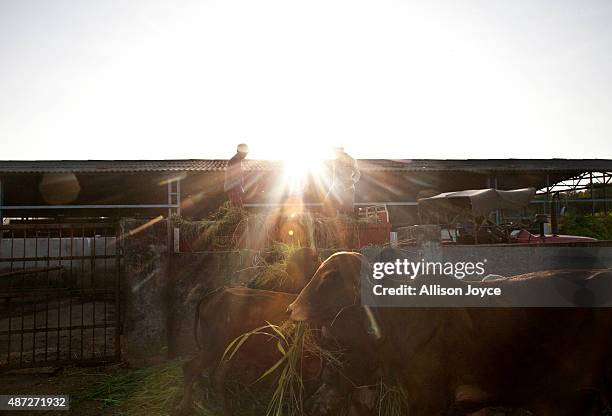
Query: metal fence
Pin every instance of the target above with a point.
(59, 294)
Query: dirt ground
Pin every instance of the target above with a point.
(73, 381)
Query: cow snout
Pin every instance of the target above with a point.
(298, 312)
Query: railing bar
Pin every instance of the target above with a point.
(10, 314)
(34, 291)
(93, 304)
(82, 287)
(35, 311)
(55, 226)
(59, 307)
(117, 276)
(96, 360)
(63, 328)
(27, 271)
(104, 283)
(47, 297)
(42, 258)
(23, 302)
(70, 283)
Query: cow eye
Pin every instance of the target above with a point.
(329, 277)
(326, 275)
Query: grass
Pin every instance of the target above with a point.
(144, 391)
(156, 390)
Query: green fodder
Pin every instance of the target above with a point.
(269, 266)
(299, 229)
(296, 345)
(157, 391)
(231, 228)
(392, 400)
(221, 230)
(304, 229)
(144, 391)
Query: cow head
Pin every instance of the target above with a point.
(334, 286)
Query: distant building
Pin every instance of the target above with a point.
(63, 190)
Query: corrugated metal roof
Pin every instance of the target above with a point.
(211, 165)
(113, 166)
(488, 164)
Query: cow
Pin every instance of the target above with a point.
(222, 317)
(225, 314)
(460, 360)
(301, 266)
(350, 385)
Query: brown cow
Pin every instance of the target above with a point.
(221, 318)
(301, 266)
(352, 384)
(459, 360)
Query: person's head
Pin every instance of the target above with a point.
(242, 149)
(338, 151)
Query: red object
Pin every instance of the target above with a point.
(525, 236)
(366, 234)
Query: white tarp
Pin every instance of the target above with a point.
(479, 201)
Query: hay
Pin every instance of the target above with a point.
(145, 391)
(157, 390)
(392, 400)
(269, 266)
(218, 232)
(295, 342)
(232, 228)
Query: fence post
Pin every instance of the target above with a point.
(145, 281)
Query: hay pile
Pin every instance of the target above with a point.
(269, 267)
(221, 231)
(232, 228)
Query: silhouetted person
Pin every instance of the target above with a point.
(341, 195)
(234, 177)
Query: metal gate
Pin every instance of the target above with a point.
(59, 294)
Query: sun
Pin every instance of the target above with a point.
(297, 172)
(302, 165)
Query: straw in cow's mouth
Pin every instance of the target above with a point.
(296, 342)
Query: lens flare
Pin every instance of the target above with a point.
(298, 171)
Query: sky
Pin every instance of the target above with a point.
(111, 79)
